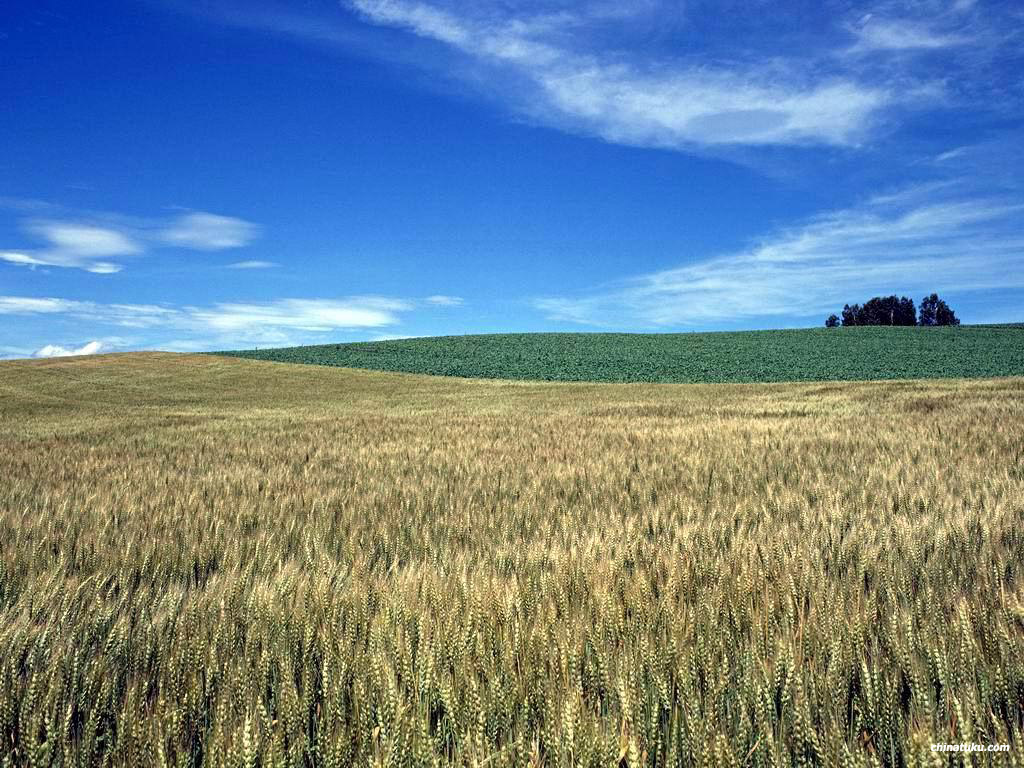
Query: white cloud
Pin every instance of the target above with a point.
(952, 154)
(24, 305)
(694, 76)
(131, 315)
(445, 301)
(86, 241)
(18, 257)
(125, 315)
(879, 34)
(209, 232)
(252, 264)
(418, 17)
(301, 314)
(75, 245)
(891, 244)
(103, 268)
(227, 323)
(54, 350)
(88, 246)
(635, 101)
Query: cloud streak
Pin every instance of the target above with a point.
(224, 323)
(208, 232)
(881, 34)
(24, 305)
(445, 301)
(691, 77)
(632, 101)
(253, 264)
(300, 314)
(75, 245)
(91, 246)
(908, 242)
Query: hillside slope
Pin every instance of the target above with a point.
(810, 354)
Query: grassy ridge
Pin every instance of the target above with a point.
(845, 354)
(208, 562)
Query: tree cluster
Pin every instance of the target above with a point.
(895, 310)
(934, 311)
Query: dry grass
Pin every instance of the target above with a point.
(207, 561)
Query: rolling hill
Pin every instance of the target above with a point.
(811, 354)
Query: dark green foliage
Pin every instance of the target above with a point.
(747, 356)
(887, 310)
(935, 311)
(832, 321)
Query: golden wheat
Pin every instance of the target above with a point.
(213, 562)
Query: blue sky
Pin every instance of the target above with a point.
(238, 173)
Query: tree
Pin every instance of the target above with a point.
(832, 321)
(944, 315)
(907, 313)
(881, 310)
(928, 305)
(935, 311)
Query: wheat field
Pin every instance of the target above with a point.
(218, 562)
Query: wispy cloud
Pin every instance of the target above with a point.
(75, 245)
(209, 232)
(224, 323)
(634, 100)
(445, 301)
(85, 241)
(24, 305)
(252, 264)
(681, 76)
(884, 34)
(921, 239)
(81, 243)
(301, 314)
(55, 350)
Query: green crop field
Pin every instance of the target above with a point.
(813, 354)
